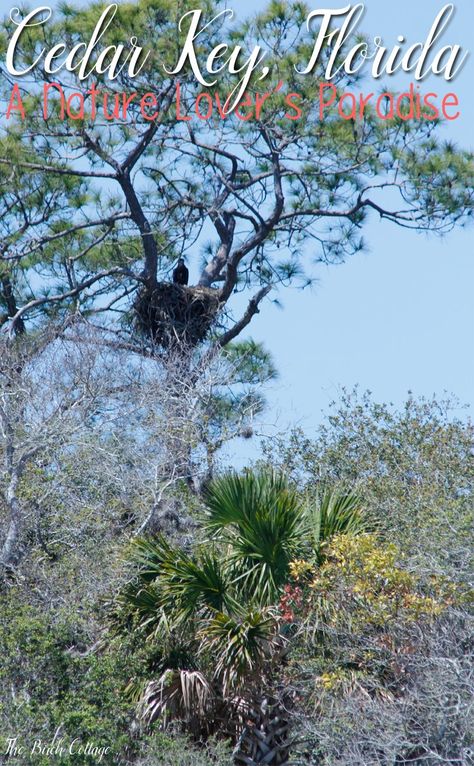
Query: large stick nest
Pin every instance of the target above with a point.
(171, 314)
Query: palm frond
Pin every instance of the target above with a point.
(240, 647)
(189, 585)
(170, 587)
(333, 511)
(261, 519)
(178, 695)
(148, 556)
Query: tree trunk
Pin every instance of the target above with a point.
(265, 735)
(8, 553)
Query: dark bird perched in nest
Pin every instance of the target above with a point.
(181, 273)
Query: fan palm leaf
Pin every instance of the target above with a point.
(333, 511)
(171, 586)
(183, 695)
(240, 646)
(261, 519)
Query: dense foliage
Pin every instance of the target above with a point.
(291, 601)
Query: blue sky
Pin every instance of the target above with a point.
(399, 317)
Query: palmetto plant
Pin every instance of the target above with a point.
(217, 606)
